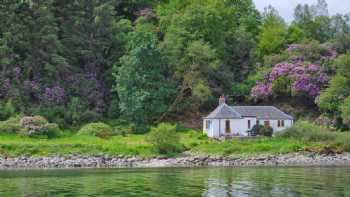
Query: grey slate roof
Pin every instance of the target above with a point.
(260, 112)
(224, 111)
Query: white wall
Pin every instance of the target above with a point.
(274, 124)
(239, 126)
(213, 131)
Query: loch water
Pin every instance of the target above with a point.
(183, 182)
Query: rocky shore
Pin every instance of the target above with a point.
(101, 161)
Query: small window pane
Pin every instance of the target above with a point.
(208, 124)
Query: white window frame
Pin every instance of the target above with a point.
(207, 124)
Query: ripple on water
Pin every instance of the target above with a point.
(298, 181)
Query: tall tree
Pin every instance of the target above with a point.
(273, 32)
(140, 75)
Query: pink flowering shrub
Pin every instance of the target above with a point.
(261, 91)
(303, 78)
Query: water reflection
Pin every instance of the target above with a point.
(332, 181)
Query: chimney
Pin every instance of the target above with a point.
(222, 100)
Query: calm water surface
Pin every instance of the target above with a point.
(330, 181)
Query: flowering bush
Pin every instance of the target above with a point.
(261, 90)
(35, 126)
(54, 95)
(303, 78)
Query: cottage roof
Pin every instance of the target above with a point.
(260, 112)
(224, 111)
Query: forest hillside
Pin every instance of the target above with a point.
(149, 61)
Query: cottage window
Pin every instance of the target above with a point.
(280, 123)
(207, 124)
(257, 122)
(248, 124)
(227, 126)
(266, 123)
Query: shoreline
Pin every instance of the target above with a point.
(79, 161)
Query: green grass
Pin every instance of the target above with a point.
(253, 146)
(194, 141)
(14, 145)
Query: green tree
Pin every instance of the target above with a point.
(333, 97)
(164, 139)
(141, 81)
(221, 34)
(345, 111)
(273, 33)
(32, 36)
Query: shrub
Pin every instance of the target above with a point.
(255, 130)
(98, 129)
(164, 138)
(308, 132)
(203, 136)
(11, 126)
(7, 110)
(38, 126)
(133, 128)
(345, 111)
(266, 131)
(261, 130)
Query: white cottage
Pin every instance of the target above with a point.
(228, 120)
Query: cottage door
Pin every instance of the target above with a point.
(227, 127)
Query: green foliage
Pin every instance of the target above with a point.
(164, 139)
(145, 61)
(243, 89)
(308, 132)
(273, 33)
(7, 109)
(140, 80)
(98, 129)
(296, 34)
(282, 86)
(345, 111)
(74, 111)
(332, 98)
(266, 131)
(255, 130)
(342, 64)
(11, 126)
(261, 130)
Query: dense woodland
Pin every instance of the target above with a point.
(148, 61)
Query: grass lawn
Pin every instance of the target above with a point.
(15, 145)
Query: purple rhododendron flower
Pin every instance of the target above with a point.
(261, 90)
(305, 78)
(54, 95)
(17, 71)
(4, 87)
(292, 47)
